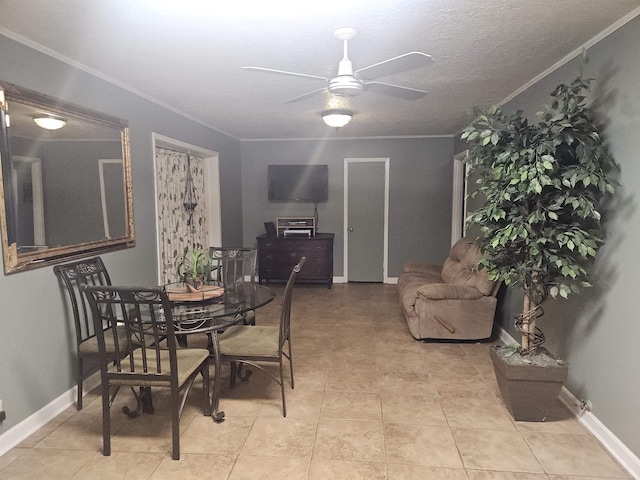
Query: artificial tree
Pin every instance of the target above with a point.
(544, 183)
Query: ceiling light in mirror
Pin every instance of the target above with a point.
(49, 122)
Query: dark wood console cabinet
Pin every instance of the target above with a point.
(278, 255)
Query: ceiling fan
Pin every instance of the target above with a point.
(351, 83)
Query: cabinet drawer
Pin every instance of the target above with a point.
(318, 273)
(269, 247)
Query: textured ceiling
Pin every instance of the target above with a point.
(188, 55)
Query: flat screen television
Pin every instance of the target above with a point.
(298, 183)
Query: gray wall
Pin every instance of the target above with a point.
(597, 332)
(36, 339)
(420, 184)
(71, 187)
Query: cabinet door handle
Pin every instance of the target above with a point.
(351, 229)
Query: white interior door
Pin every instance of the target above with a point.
(366, 219)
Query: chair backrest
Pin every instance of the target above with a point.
(90, 271)
(285, 315)
(138, 316)
(232, 266)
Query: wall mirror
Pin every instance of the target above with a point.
(65, 192)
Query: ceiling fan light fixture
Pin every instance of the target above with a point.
(337, 118)
(49, 122)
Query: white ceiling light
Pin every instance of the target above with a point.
(49, 122)
(337, 118)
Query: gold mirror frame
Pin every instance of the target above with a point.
(15, 259)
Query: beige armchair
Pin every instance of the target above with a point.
(453, 301)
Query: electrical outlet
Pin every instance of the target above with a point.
(585, 405)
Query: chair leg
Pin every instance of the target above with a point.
(79, 367)
(175, 424)
(290, 358)
(106, 419)
(215, 392)
(206, 388)
(284, 402)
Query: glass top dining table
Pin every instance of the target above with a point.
(212, 316)
(201, 315)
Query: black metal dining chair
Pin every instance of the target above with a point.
(232, 267)
(90, 271)
(246, 344)
(146, 352)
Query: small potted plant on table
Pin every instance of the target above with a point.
(544, 183)
(193, 267)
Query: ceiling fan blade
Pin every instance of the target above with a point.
(306, 95)
(283, 72)
(405, 62)
(397, 91)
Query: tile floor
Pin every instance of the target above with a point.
(370, 403)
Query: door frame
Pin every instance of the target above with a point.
(385, 253)
(459, 200)
(103, 191)
(212, 178)
(39, 235)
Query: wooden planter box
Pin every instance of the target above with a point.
(530, 392)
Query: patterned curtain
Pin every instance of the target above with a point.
(175, 234)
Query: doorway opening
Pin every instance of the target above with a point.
(173, 225)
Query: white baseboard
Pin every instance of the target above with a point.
(618, 450)
(39, 419)
(504, 336)
(389, 280)
(609, 441)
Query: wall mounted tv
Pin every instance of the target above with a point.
(298, 183)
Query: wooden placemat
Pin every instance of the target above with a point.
(180, 293)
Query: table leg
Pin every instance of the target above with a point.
(144, 403)
(215, 351)
(146, 400)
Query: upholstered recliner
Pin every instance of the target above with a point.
(453, 301)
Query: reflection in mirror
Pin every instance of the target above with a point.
(67, 191)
